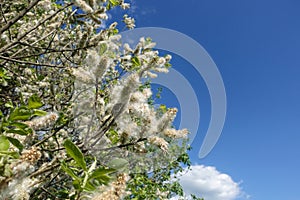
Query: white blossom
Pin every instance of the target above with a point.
(129, 21)
(43, 122)
(160, 142)
(84, 6)
(124, 6)
(173, 133)
(127, 48)
(103, 16)
(19, 189)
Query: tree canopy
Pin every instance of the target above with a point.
(77, 111)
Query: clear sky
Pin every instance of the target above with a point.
(256, 46)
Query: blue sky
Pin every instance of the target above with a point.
(256, 46)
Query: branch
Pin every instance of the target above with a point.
(19, 16)
(123, 145)
(30, 63)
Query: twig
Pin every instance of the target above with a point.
(48, 192)
(30, 63)
(123, 145)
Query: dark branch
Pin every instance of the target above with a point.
(30, 63)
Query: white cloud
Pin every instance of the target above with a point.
(209, 183)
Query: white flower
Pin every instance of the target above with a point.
(127, 48)
(51, 12)
(150, 45)
(28, 71)
(20, 189)
(147, 92)
(173, 133)
(102, 67)
(150, 74)
(43, 84)
(83, 75)
(166, 120)
(113, 25)
(92, 58)
(125, 5)
(30, 14)
(43, 122)
(161, 70)
(168, 58)
(161, 61)
(126, 58)
(129, 21)
(84, 6)
(121, 93)
(45, 4)
(103, 16)
(160, 142)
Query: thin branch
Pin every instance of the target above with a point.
(48, 192)
(30, 63)
(49, 51)
(26, 46)
(123, 145)
(51, 166)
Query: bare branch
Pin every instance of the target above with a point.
(30, 63)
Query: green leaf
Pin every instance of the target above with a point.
(108, 6)
(163, 108)
(89, 187)
(21, 113)
(101, 172)
(19, 125)
(114, 2)
(39, 113)
(69, 171)
(16, 143)
(63, 194)
(34, 102)
(10, 153)
(118, 163)
(136, 62)
(168, 65)
(4, 143)
(103, 48)
(113, 136)
(9, 105)
(77, 185)
(75, 153)
(18, 131)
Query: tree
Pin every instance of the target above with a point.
(77, 114)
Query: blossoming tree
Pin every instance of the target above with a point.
(77, 114)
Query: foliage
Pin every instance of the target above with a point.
(77, 119)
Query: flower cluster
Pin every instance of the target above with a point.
(42, 122)
(19, 189)
(115, 191)
(66, 76)
(129, 21)
(160, 142)
(32, 155)
(126, 109)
